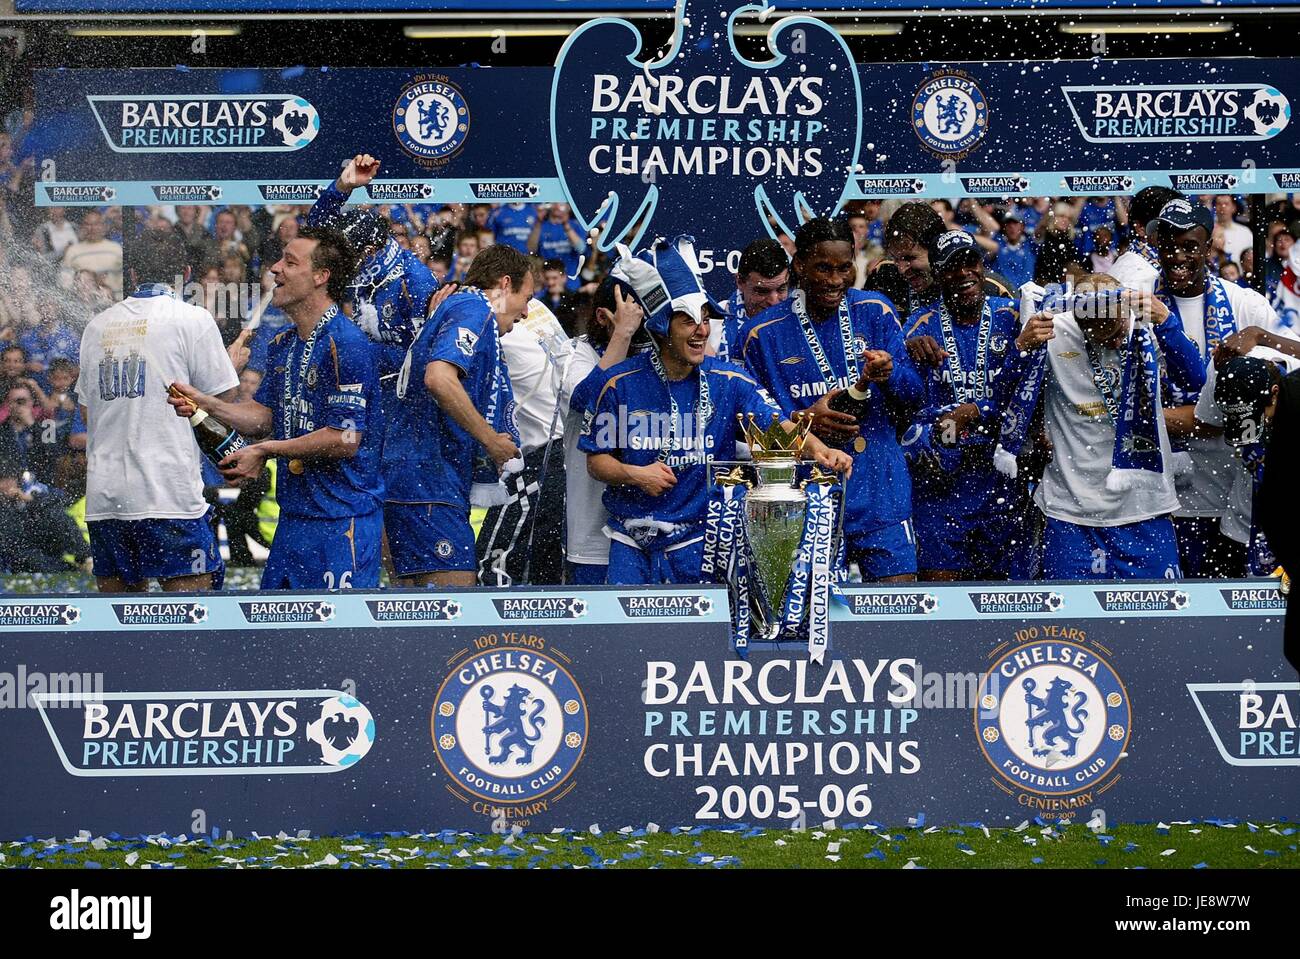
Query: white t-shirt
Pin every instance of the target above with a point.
(585, 514)
(142, 459)
(533, 379)
(1236, 518)
(59, 236)
(1204, 491)
(1083, 439)
(1237, 239)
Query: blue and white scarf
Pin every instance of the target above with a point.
(488, 487)
(1136, 462)
(1260, 560)
(1220, 323)
(727, 557)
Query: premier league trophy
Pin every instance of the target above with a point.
(772, 536)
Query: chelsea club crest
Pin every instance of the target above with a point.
(510, 725)
(431, 119)
(1053, 718)
(950, 114)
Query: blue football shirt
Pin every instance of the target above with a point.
(775, 352)
(428, 456)
(628, 418)
(512, 224)
(337, 388)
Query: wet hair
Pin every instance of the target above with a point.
(495, 262)
(916, 222)
(157, 259)
(821, 230)
(766, 257)
(333, 253)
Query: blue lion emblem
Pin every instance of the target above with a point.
(1054, 711)
(952, 113)
(511, 724)
(434, 117)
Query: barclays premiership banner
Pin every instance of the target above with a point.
(544, 709)
(702, 139)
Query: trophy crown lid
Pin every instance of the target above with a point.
(773, 442)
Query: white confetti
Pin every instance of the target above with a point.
(833, 858)
(131, 857)
(1169, 852)
(832, 847)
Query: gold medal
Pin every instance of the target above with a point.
(296, 467)
(859, 444)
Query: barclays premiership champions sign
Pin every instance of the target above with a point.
(544, 709)
(711, 136)
(703, 127)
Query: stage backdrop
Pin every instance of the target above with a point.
(696, 138)
(390, 711)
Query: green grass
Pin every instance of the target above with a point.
(1197, 845)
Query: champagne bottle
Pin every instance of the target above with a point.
(215, 438)
(855, 401)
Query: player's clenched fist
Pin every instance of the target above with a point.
(1037, 331)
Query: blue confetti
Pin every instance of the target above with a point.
(292, 73)
(1036, 860)
(875, 854)
(1200, 865)
(91, 864)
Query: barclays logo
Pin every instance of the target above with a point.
(1140, 600)
(290, 192)
(1251, 724)
(996, 185)
(1094, 185)
(1289, 181)
(187, 192)
(209, 733)
(1254, 597)
(160, 614)
(638, 146)
(665, 606)
(541, 607)
(400, 191)
(1204, 182)
(1016, 601)
(80, 194)
(288, 611)
(413, 610)
(214, 123)
(1178, 113)
(890, 186)
(39, 614)
(892, 604)
(506, 190)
